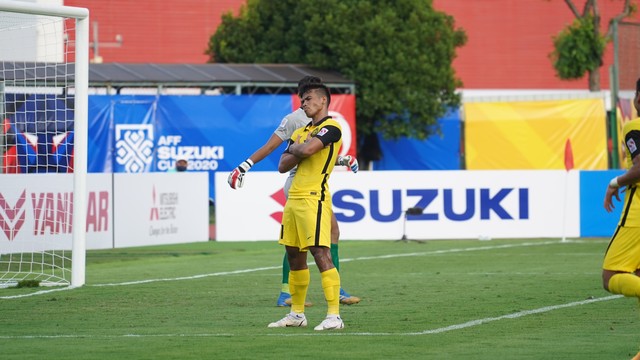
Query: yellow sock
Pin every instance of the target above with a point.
(625, 284)
(298, 285)
(331, 288)
(285, 288)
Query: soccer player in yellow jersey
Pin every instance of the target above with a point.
(306, 222)
(283, 132)
(621, 265)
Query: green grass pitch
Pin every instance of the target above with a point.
(462, 299)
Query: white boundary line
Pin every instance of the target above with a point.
(516, 315)
(454, 327)
(388, 256)
(465, 325)
(235, 272)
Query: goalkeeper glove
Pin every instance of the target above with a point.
(349, 161)
(236, 177)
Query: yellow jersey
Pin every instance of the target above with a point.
(630, 216)
(312, 177)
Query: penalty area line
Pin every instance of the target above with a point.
(515, 315)
(465, 325)
(388, 256)
(472, 323)
(244, 271)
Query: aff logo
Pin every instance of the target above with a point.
(12, 217)
(200, 157)
(134, 146)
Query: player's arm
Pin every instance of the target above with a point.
(324, 137)
(236, 177)
(266, 149)
(287, 160)
(307, 148)
(631, 176)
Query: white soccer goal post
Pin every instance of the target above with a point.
(44, 69)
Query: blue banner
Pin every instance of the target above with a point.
(214, 133)
(438, 152)
(595, 221)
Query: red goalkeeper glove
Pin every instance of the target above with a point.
(236, 177)
(349, 161)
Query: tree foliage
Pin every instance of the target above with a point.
(579, 48)
(399, 53)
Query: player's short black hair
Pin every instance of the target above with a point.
(314, 85)
(638, 85)
(309, 80)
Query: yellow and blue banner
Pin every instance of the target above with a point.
(535, 135)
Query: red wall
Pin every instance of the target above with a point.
(508, 44)
(156, 31)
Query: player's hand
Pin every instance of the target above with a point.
(351, 162)
(608, 198)
(236, 177)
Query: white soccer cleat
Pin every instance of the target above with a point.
(291, 320)
(330, 323)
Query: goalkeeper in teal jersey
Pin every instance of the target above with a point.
(283, 132)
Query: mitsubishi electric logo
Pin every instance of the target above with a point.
(163, 210)
(12, 217)
(163, 206)
(134, 146)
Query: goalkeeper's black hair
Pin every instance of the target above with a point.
(309, 80)
(314, 85)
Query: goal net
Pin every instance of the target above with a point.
(43, 143)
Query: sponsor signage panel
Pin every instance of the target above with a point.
(456, 205)
(36, 212)
(161, 208)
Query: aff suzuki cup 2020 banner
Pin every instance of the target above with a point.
(139, 134)
(454, 204)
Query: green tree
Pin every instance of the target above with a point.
(578, 48)
(399, 53)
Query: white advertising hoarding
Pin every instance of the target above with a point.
(161, 208)
(371, 205)
(37, 208)
(133, 210)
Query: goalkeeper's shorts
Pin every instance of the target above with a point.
(306, 222)
(623, 253)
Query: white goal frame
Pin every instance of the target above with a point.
(81, 80)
